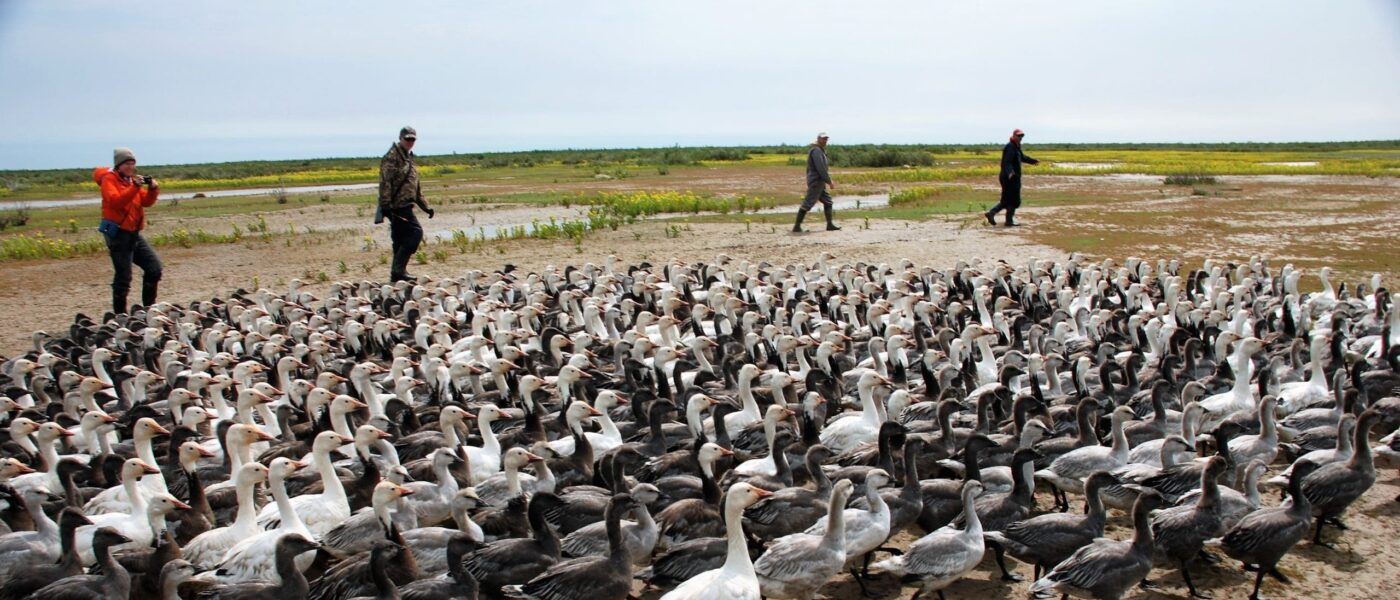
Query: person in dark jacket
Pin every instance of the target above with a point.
(818, 182)
(399, 191)
(124, 204)
(1010, 179)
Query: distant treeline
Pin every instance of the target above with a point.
(854, 155)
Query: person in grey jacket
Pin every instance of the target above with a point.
(818, 182)
(1010, 179)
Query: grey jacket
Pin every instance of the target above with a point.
(817, 173)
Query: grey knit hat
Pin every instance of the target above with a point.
(121, 155)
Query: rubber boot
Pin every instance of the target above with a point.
(801, 214)
(991, 218)
(119, 302)
(826, 209)
(1011, 218)
(148, 292)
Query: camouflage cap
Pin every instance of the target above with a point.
(408, 133)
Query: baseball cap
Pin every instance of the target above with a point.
(408, 133)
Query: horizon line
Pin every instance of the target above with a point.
(606, 148)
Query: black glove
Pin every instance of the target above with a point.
(430, 212)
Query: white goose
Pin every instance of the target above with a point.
(432, 501)
(486, 459)
(207, 549)
(255, 557)
(574, 415)
(115, 499)
(135, 502)
(736, 580)
(1239, 398)
(603, 441)
(854, 428)
(1298, 395)
(320, 512)
(865, 529)
(765, 466)
(500, 488)
(45, 438)
(142, 528)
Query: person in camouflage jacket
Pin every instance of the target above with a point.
(399, 191)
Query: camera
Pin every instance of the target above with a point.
(146, 180)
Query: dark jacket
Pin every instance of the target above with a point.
(398, 179)
(817, 173)
(1011, 159)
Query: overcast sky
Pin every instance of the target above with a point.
(188, 81)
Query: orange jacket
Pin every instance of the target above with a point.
(124, 201)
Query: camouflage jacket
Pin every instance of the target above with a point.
(397, 172)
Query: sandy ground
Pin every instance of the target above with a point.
(46, 295)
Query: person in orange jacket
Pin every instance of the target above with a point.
(125, 198)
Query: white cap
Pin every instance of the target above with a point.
(822, 135)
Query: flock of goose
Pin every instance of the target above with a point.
(724, 430)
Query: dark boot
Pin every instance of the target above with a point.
(119, 302)
(826, 209)
(1010, 218)
(797, 226)
(991, 220)
(148, 291)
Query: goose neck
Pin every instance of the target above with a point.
(1120, 440)
(290, 519)
(736, 560)
(974, 523)
(247, 505)
(835, 535)
(330, 481)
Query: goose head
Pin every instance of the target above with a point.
(877, 478)
(327, 441)
(711, 452)
(251, 474)
(51, 431)
(12, 467)
(108, 537)
(134, 469)
(246, 435)
(971, 489)
(341, 404)
(147, 428)
(190, 453)
(578, 411)
(517, 458)
(388, 492)
(293, 544)
(607, 399)
(175, 573)
(283, 467)
(454, 415)
(163, 504)
(744, 495)
(645, 493)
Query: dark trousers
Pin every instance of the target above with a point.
(1010, 198)
(816, 193)
(127, 248)
(407, 234)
